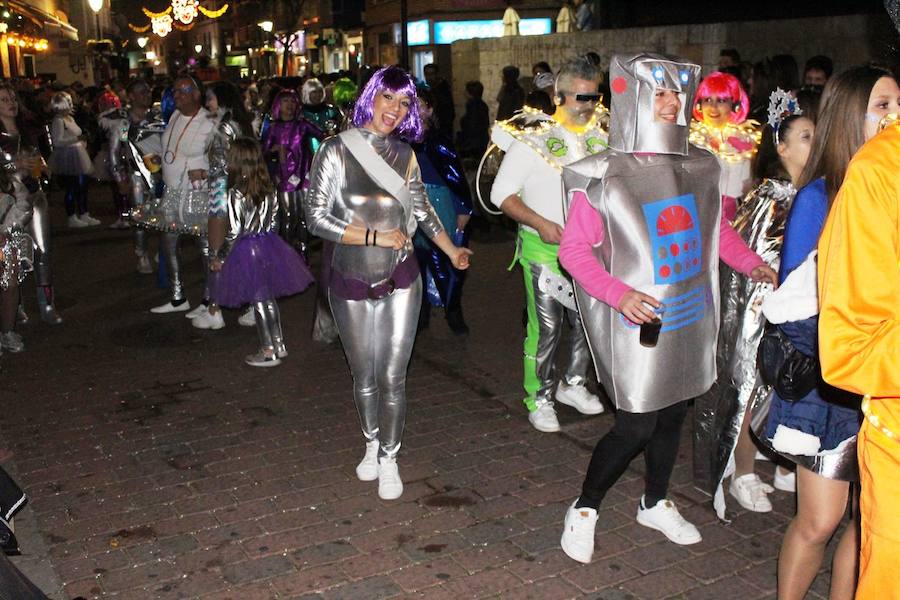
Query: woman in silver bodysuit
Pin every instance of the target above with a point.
(365, 200)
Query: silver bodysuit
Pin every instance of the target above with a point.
(377, 335)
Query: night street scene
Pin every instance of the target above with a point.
(449, 299)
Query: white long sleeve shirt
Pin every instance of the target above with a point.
(184, 146)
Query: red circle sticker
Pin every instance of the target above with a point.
(619, 85)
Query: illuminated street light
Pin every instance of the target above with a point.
(142, 42)
(198, 48)
(266, 26)
(96, 5)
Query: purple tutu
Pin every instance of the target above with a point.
(259, 268)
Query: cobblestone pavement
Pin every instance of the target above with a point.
(159, 466)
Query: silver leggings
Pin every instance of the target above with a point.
(378, 337)
(169, 244)
(268, 326)
(40, 233)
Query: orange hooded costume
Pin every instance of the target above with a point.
(859, 342)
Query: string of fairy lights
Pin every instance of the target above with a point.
(10, 22)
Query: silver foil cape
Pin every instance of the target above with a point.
(341, 193)
(661, 235)
(718, 414)
(634, 80)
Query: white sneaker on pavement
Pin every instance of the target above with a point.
(75, 223)
(199, 310)
(665, 518)
(579, 398)
(11, 342)
(578, 535)
(170, 307)
(367, 469)
(543, 418)
(143, 265)
(751, 492)
(248, 319)
(261, 359)
(390, 487)
(87, 218)
(208, 320)
(785, 480)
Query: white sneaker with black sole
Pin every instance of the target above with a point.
(665, 518)
(578, 533)
(579, 398)
(390, 487)
(543, 418)
(367, 469)
(170, 307)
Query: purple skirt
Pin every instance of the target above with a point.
(259, 268)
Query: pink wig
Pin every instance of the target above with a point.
(723, 85)
(396, 81)
(276, 103)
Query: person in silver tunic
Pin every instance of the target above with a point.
(365, 199)
(643, 239)
(722, 443)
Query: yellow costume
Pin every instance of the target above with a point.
(859, 342)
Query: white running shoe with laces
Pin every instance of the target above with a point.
(578, 535)
(751, 492)
(198, 310)
(75, 223)
(209, 320)
(665, 518)
(367, 469)
(248, 319)
(579, 398)
(390, 487)
(543, 418)
(88, 219)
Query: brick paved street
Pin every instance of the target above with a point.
(160, 466)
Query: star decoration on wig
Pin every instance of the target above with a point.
(782, 105)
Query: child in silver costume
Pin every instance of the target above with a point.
(366, 199)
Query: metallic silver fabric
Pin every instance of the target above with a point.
(893, 8)
(182, 211)
(634, 80)
(169, 244)
(718, 414)
(378, 337)
(840, 464)
(219, 144)
(551, 315)
(18, 256)
(342, 193)
(661, 217)
(246, 217)
(268, 326)
(39, 228)
(292, 228)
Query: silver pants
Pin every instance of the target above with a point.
(292, 225)
(268, 326)
(546, 317)
(169, 244)
(378, 337)
(39, 228)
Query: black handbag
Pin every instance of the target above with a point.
(791, 373)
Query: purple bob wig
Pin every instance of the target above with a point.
(276, 103)
(396, 81)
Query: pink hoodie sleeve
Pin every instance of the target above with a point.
(583, 231)
(734, 252)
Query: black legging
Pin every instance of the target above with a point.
(657, 433)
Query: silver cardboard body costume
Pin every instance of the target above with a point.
(377, 333)
(718, 414)
(659, 201)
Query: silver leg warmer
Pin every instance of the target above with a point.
(378, 337)
(292, 225)
(169, 243)
(264, 325)
(40, 232)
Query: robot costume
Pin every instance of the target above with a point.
(374, 292)
(35, 140)
(184, 205)
(288, 147)
(719, 413)
(135, 154)
(535, 155)
(327, 117)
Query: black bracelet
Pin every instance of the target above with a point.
(375, 238)
(367, 236)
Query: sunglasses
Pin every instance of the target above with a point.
(588, 97)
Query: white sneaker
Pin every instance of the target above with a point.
(367, 469)
(261, 359)
(169, 307)
(785, 480)
(751, 493)
(544, 417)
(579, 398)
(201, 309)
(143, 265)
(578, 535)
(248, 319)
(664, 517)
(87, 218)
(11, 342)
(75, 223)
(208, 320)
(389, 485)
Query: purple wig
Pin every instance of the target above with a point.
(276, 103)
(397, 81)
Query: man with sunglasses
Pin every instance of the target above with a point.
(528, 189)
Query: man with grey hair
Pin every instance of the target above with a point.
(528, 189)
